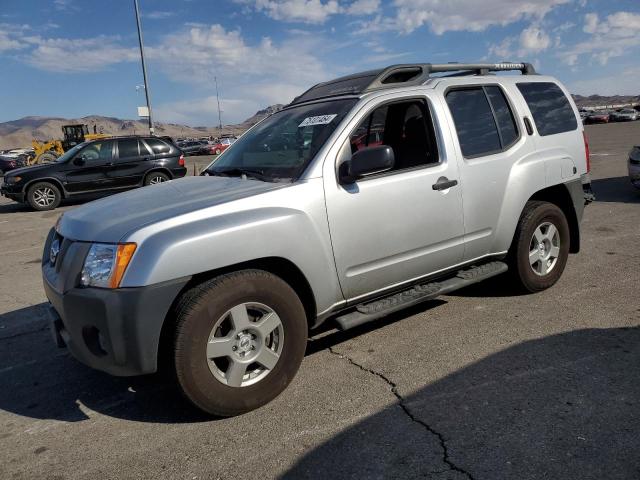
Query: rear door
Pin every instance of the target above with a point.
(130, 165)
(489, 139)
(87, 170)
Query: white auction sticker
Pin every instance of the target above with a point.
(319, 120)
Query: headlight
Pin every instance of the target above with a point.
(12, 180)
(105, 264)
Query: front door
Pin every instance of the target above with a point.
(86, 171)
(397, 226)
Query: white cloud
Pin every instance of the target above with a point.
(78, 55)
(469, 15)
(310, 11)
(502, 51)
(304, 11)
(621, 83)
(363, 7)
(253, 75)
(158, 15)
(533, 40)
(614, 36)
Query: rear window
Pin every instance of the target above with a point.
(475, 125)
(551, 110)
(128, 148)
(158, 146)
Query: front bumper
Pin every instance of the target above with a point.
(116, 331)
(12, 193)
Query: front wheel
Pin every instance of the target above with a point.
(239, 341)
(43, 196)
(540, 247)
(218, 151)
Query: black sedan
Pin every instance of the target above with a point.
(105, 165)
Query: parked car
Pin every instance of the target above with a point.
(223, 275)
(191, 147)
(625, 115)
(222, 145)
(104, 165)
(598, 117)
(634, 166)
(8, 163)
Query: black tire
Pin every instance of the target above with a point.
(156, 177)
(47, 157)
(534, 215)
(43, 196)
(198, 311)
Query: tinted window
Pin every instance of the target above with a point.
(551, 110)
(476, 127)
(406, 127)
(128, 148)
(504, 116)
(158, 146)
(98, 151)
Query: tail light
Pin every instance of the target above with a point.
(181, 161)
(586, 151)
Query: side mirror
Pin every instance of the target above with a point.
(366, 162)
(79, 160)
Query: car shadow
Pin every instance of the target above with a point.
(563, 406)
(16, 207)
(48, 383)
(615, 189)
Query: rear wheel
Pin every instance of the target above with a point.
(540, 247)
(239, 341)
(43, 196)
(46, 157)
(154, 178)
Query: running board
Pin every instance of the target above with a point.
(367, 312)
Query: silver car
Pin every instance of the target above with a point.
(365, 195)
(626, 115)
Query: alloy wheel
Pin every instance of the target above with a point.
(544, 248)
(245, 344)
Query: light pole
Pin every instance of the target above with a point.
(144, 67)
(215, 79)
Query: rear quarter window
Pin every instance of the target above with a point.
(551, 110)
(158, 146)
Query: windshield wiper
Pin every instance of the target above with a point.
(237, 171)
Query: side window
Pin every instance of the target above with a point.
(406, 127)
(504, 116)
(158, 146)
(97, 152)
(128, 148)
(475, 125)
(551, 110)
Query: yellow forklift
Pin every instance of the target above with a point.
(49, 151)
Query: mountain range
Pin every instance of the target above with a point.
(19, 133)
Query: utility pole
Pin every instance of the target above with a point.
(144, 68)
(215, 79)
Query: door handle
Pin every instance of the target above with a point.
(443, 183)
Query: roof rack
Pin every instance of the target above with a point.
(405, 75)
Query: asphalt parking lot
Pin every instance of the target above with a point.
(484, 383)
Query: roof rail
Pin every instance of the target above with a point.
(406, 75)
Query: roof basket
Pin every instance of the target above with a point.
(405, 75)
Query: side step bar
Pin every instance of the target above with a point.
(367, 312)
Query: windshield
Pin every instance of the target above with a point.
(70, 153)
(281, 146)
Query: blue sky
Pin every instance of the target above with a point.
(71, 58)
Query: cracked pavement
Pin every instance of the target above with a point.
(483, 383)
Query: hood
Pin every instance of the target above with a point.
(111, 218)
(29, 169)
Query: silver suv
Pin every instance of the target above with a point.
(365, 195)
